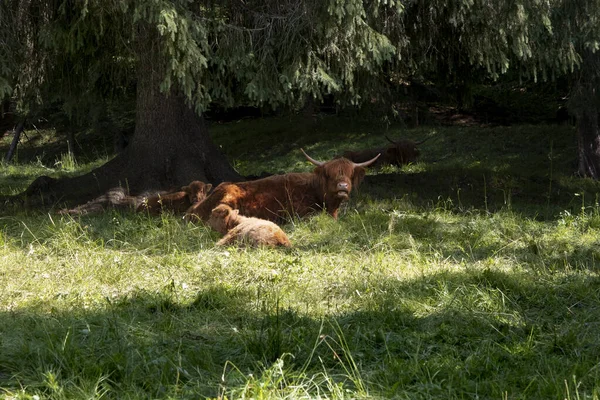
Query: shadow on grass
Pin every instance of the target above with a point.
(446, 335)
(464, 189)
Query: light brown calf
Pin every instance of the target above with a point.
(245, 230)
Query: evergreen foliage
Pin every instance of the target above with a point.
(78, 55)
(283, 52)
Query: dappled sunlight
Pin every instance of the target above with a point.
(466, 271)
(408, 289)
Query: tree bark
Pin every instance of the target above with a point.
(588, 139)
(584, 104)
(13, 145)
(170, 146)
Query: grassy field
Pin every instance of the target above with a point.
(472, 274)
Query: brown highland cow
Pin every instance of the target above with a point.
(279, 197)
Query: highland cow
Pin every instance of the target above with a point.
(366, 154)
(279, 197)
(401, 152)
(245, 230)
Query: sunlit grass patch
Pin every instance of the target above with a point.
(66, 162)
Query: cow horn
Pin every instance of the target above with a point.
(367, 163)
(423, 141)
(386, 136)
(312, 160)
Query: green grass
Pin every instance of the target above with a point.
(471, 274)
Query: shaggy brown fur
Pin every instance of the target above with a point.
(279, 197)
(245, 230)
(177, 202)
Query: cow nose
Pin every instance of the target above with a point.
(342, 186)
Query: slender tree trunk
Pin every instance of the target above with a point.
(170, 146)
(13, 145)
(584, 104)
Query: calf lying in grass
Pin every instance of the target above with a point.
(177, 202)
(245, 230)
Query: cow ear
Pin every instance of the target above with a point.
(207, 187)
(235, 212)
(222, 212)
(359, 174)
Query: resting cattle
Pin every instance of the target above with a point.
(178, 202)
(279, 197)
(245, 230)
(403, 151)
(116, 198)
(366, 154)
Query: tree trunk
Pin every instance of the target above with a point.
(170, 146)
(15, 142)
(588, 139)
(584, 104)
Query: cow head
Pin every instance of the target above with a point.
(338, 176)
(196, 191)
(222, 218)
(403, 151)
